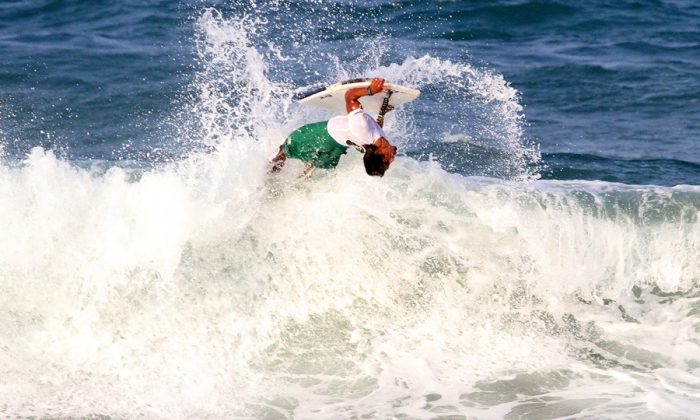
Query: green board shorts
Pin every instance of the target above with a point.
(312, 144)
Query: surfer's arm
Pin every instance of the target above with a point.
(352, 96)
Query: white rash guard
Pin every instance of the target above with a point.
(358, 127)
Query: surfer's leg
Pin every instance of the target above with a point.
(309, 169)
(279, 160)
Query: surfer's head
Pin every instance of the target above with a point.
(378, 157)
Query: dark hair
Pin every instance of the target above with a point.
(374, 162)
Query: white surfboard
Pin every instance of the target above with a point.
(333, 97)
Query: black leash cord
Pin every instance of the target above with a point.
(383, 110)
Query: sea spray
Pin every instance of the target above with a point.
(236, 100)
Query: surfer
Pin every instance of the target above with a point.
(320, 145)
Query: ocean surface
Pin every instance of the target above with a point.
(532, 253)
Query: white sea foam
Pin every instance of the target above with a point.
(207, 289)
(345, 293)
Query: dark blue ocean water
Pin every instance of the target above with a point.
(611, 91)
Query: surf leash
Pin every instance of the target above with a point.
(384, 109)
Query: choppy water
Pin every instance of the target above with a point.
(532, 253)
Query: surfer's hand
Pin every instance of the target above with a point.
(376, 85)
(353, 95)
